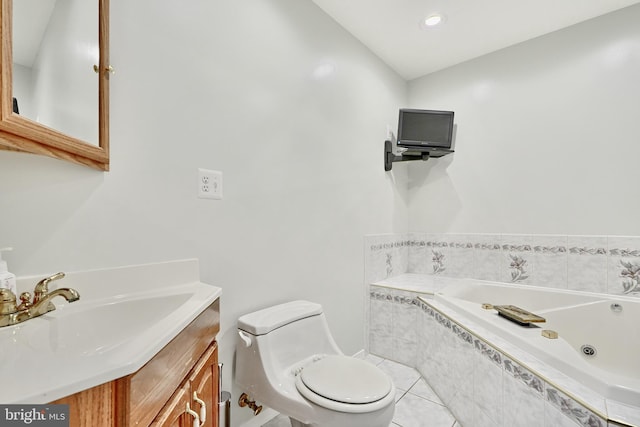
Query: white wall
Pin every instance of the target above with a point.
(548, 136)
(233, 86)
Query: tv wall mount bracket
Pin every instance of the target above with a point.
(390, 158)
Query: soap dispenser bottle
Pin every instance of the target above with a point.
(7, 280)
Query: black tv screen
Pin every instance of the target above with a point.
(425, 128)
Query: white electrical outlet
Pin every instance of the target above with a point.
(209, 184)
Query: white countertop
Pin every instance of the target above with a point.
(123, 318)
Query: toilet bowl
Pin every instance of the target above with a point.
(287, 359)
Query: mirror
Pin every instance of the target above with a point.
(57, 41)
(71, 125)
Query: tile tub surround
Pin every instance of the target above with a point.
(480, 382)
(393, 314)
(603, 264)
(481, 385)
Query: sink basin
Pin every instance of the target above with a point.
(91, 330)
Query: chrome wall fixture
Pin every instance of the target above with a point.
(224, 402)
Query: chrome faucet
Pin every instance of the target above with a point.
(11, 313)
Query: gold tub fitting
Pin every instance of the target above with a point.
(244, 401)
(518, 315)
(487, 306)
(548, 333)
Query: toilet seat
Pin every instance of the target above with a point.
(345, 384)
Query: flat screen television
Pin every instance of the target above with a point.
(425, 130)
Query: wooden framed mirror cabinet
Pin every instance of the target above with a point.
(24, 133)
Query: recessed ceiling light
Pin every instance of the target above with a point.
(433, 20)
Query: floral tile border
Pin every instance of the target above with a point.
(524, 375)
(489, 352)
(572, 409)
(380, 294)
(604, 264)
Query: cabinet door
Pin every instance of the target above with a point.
(174, 412)
(204, 387)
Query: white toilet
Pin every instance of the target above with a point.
(287, 359)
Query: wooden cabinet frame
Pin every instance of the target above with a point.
(18, 133)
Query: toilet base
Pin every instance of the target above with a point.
(380, 418)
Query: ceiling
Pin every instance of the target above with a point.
(392, 28)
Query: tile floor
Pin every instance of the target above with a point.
(416, 404)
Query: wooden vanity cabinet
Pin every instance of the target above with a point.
(157, 394)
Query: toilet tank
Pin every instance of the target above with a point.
(266, 320)
(283, 335)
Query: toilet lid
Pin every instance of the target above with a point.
(346, 379)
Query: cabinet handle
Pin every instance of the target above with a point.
(196, 417)
(203, 408)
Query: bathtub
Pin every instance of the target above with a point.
(598, 342)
